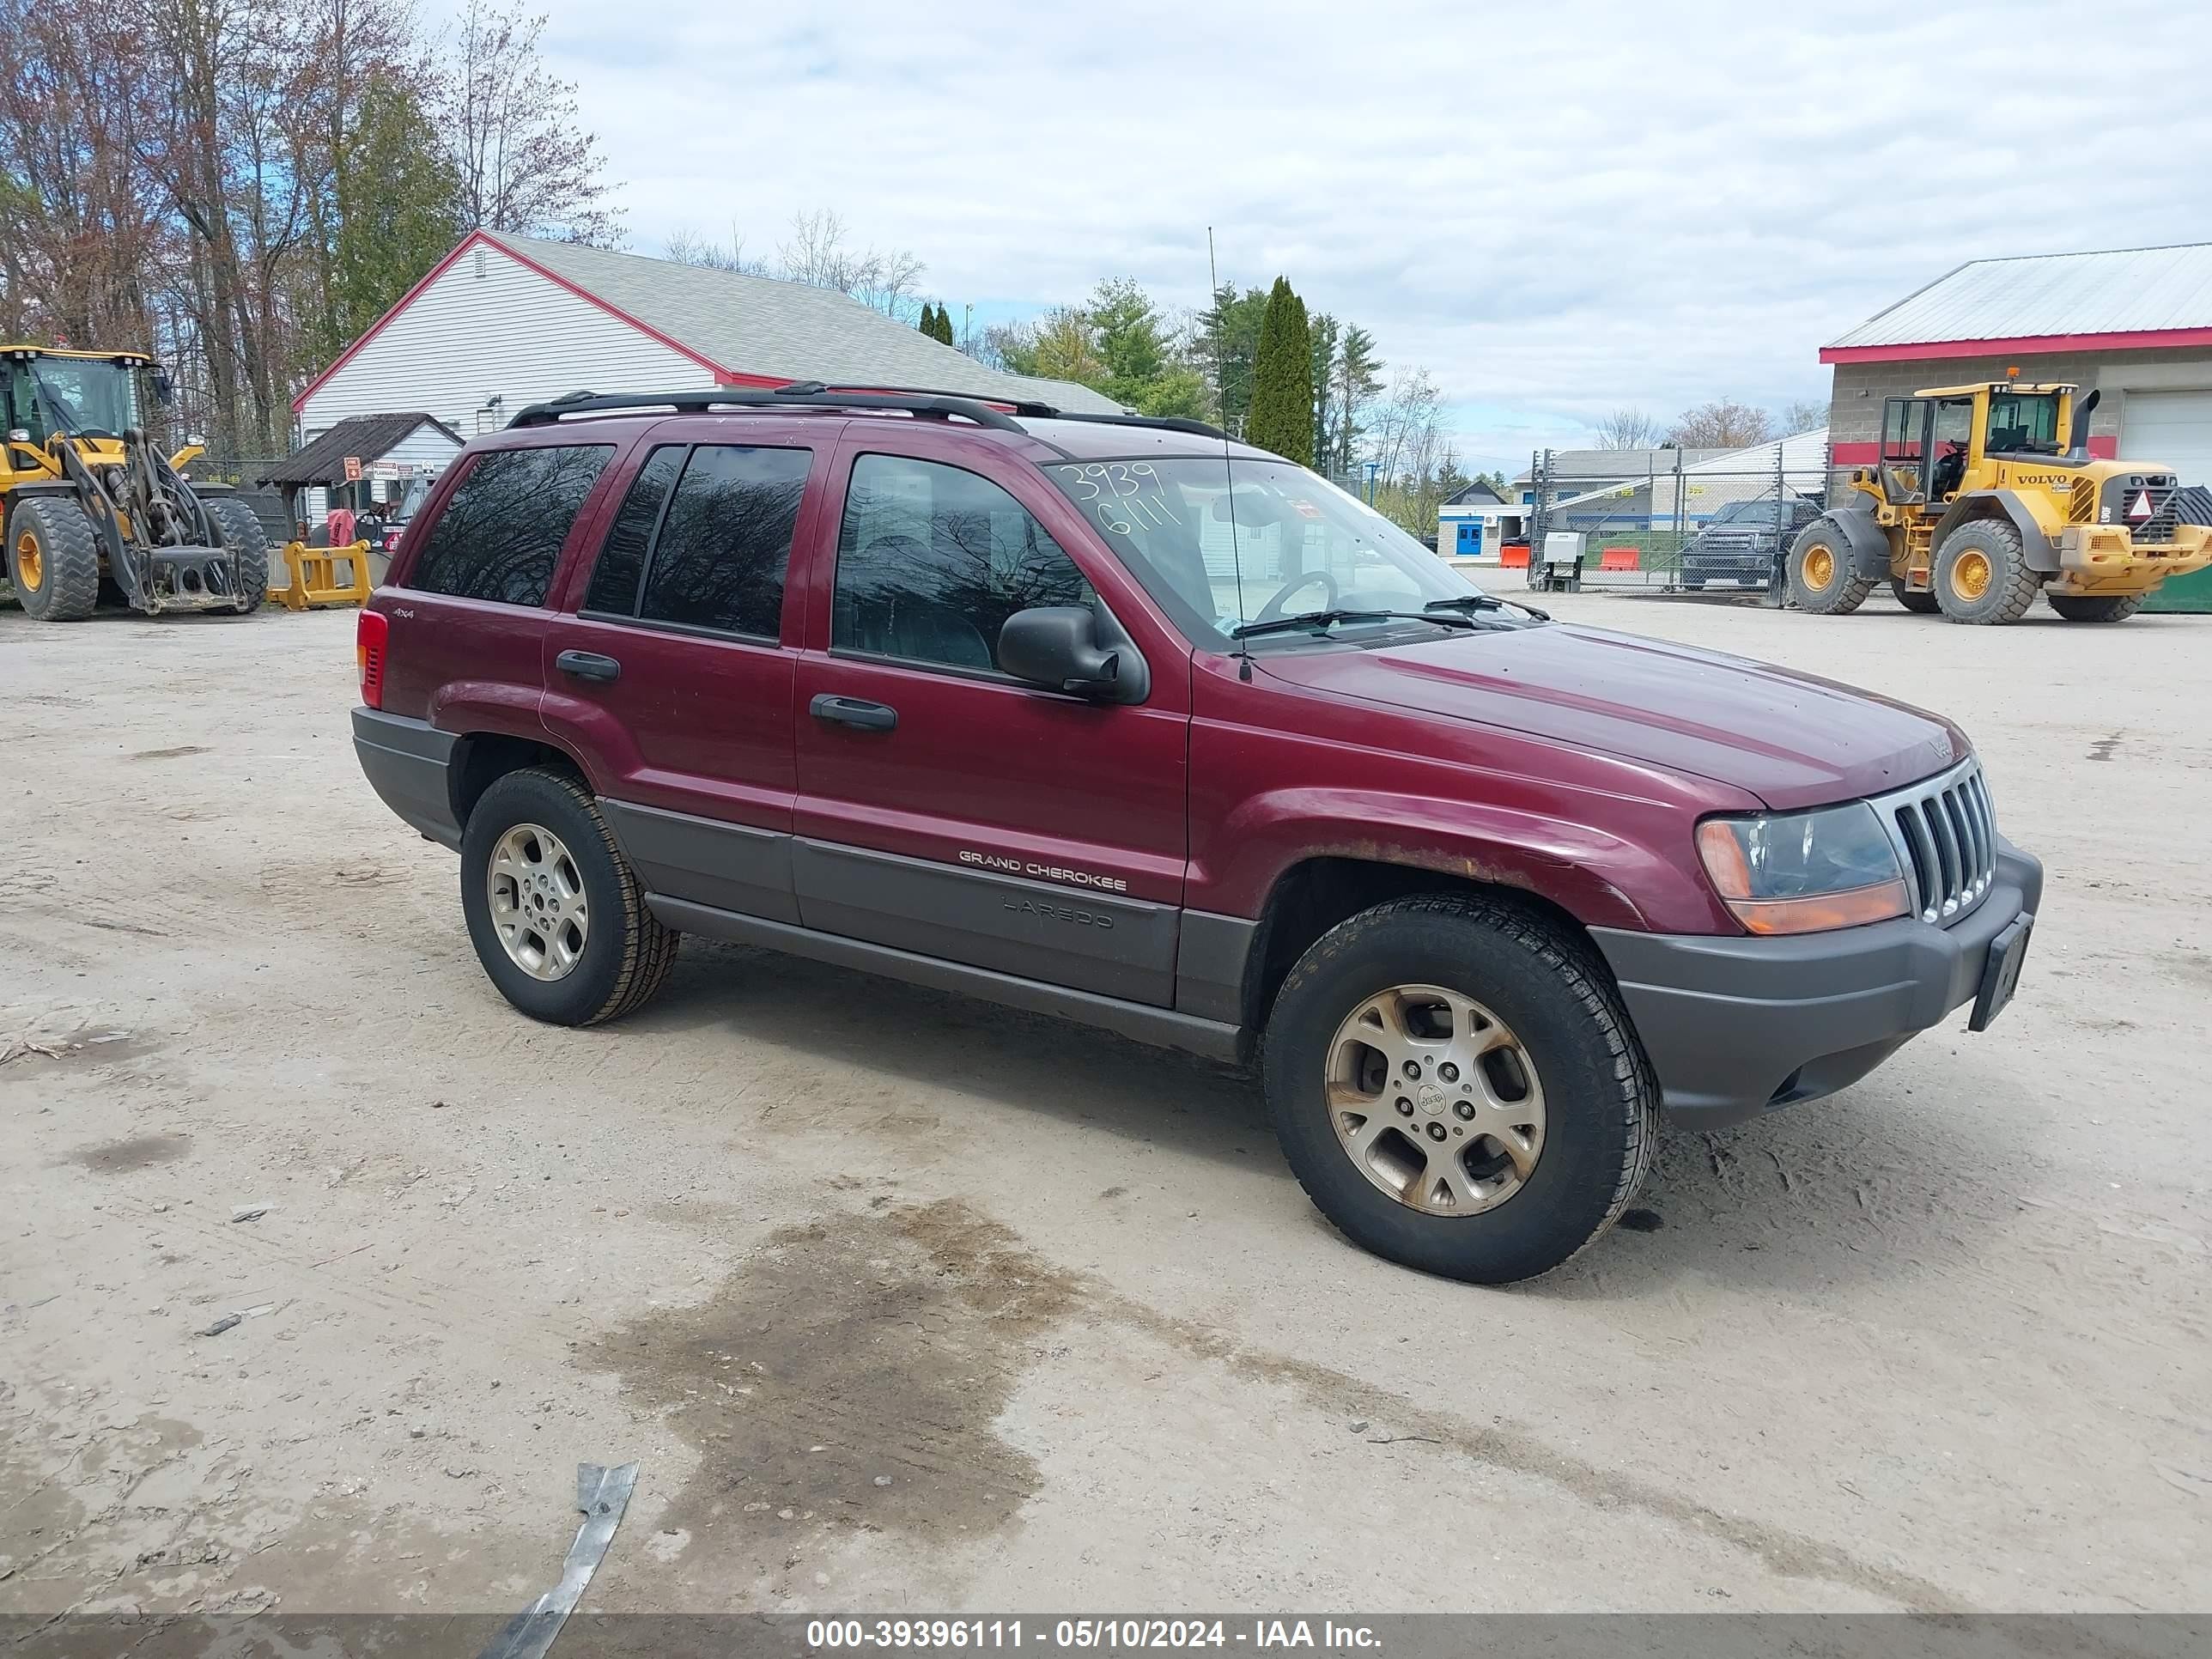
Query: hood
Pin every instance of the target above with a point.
(1789, 739)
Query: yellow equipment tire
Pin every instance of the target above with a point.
(1823, 577)
(2104, 609)
(53, 560)
(1981, 574)
(248, 545)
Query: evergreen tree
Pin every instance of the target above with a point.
(1282, 379)
(944, 325)
(398, 208)
(929, 324)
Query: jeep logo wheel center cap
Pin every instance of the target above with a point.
(1430, 1099)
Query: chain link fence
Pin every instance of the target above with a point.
(1706, 527)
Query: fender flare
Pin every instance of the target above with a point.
(2038, 545)
(1868, 541)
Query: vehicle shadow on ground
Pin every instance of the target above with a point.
(1854, 1187)
(937, 1040)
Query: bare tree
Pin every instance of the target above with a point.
(687, 246)
(1629, 427)
(1722, 424)
(819, 256)
(1803, 417)
(527, 164)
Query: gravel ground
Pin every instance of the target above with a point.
(906, 1302)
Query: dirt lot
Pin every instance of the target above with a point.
(794, 1234)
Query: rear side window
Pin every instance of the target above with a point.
(703, 539)
(931, 560)
(622, 560)
(500, 535)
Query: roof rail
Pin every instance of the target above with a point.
(1001, 414)
(802, 396)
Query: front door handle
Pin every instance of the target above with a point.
(588, 665)
(854, 711)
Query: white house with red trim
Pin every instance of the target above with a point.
(2134, 323)
(504, 321)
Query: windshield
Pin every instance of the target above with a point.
(1222, 542)
(2024, 422)
(75, 394)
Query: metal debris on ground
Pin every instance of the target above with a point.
(602, 1494)
(221, 1324)
(249, 1212)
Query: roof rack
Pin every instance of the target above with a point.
(1001, 414)
(804, 396)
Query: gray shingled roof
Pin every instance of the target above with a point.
(762, 325)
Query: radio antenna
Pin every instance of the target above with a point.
(1228, 472)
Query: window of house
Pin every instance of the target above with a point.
(500, 535)
(931, 560)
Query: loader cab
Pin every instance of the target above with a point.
(48, 391)
(1933, 444)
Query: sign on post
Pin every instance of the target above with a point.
(353, 469)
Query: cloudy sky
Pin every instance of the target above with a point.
(1557, 208)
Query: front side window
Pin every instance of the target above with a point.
(1224, 542)
(1901, 428)
(2024, 422)
(500, 532)
(931, 560)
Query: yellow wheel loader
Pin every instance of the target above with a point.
(1986, 495)
(86, 499)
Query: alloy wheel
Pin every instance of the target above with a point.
(539, 908)
(1436, 1100)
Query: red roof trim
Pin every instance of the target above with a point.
(475, 237)
(2025, 345)
(1867, 455)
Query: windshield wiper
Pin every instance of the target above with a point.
(1321, 621)
(1464, 603)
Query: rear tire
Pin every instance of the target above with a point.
(1478, 1212)
(1823, 577)
(2107, 609)
(1981, 574)
(1922, 604)
(53, 560)
(626, 953)
(248, 546)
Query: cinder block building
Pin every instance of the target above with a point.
(2134, 323)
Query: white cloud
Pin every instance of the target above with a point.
(1556, 209)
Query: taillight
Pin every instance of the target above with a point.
(369, 636)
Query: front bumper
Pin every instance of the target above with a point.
(1737, 1026)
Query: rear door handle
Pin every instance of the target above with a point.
(588, 665)
(854, 711)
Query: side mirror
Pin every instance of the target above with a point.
(1057, 646)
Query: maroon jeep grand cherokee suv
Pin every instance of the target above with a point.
(1112, 719)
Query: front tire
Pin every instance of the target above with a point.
(1981, 574)
(248, 546)
(556, 913)
(1824, 578)
(2106, 609)
(1458, 1088)
(53, 560)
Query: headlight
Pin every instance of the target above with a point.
(1799, 873)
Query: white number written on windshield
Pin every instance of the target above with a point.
(1126, 495)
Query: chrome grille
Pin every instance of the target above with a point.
(1944, 831)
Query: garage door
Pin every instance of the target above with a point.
(2175, 428)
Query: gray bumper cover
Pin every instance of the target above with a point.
(1735, 1026)
(406, 762)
